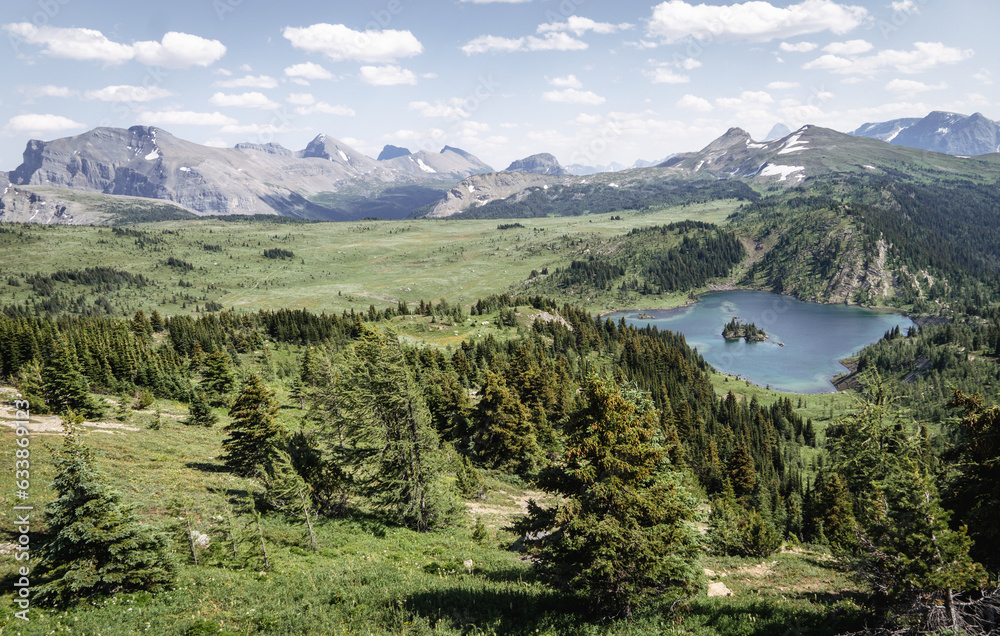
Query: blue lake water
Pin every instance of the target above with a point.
(813, 338)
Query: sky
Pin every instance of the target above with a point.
(590, 81)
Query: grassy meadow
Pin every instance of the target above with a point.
(335, 267)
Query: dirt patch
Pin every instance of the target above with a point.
(53, 424)
(759, 571)
(517, 507)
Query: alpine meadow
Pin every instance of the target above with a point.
(258, 378)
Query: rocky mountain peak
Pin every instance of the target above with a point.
(542, 163)
(391, 152)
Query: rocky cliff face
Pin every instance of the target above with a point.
(481, 189)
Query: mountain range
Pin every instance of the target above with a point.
(328, 179)
(81, 179)
(950, 133)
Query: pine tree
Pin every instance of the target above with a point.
(217, 378)
(388, 426)
(96, 546)
(200, 412)
(65, 388)
(288, 491)
(255, 433)
(621, 534)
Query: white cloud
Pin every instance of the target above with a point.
(573, 96)
(578, 26)
(747, 99)
(569, 81)
(339, 43)
(983, 77)
(690, 64)
(308, 70)
(798, 47)
(909, 88)
(254, 129)
(216, 142)
(849, 48)
(924, 56)
(780, 85)
(551, 42)
(301, 99)
(243, 100)
(175, 50)
(246, 68)
(37, 124)
(248, 81)
(492, 1)
(179, 50)
(388, 75)
(73, 44)
(755, 21)
(664, 75)
(125, 93)
(184, 118)
(452, 109)
(905, 6)
(49, 90)
(693, 102)
(326, 109)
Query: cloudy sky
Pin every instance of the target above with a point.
(591, 81)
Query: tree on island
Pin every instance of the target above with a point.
(734, 330)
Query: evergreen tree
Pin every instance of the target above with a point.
(254, 434)
(32, 387)
(505, 438)
(96, 546)
(905, 548)
(286, 490)
(200, 411)
(621, 534)
(217, 378)
(974, 489)
(65, 388)
(388, 426)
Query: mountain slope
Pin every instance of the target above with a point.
(945, 132)
(247, 179)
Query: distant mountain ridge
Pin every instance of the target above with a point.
(939, 131)
(328, 179)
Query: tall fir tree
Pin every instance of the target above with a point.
(96, 545)
(622, 532)
(254, 435)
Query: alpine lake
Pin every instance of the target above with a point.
(805, 341)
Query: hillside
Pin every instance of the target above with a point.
(939, 131)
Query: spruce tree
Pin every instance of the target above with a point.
(255, 434)
(505, 437)
(200, 412)
(96, 545)
(217, 379)
(65, 388)
(621, 533)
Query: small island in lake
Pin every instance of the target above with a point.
(734, 330)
